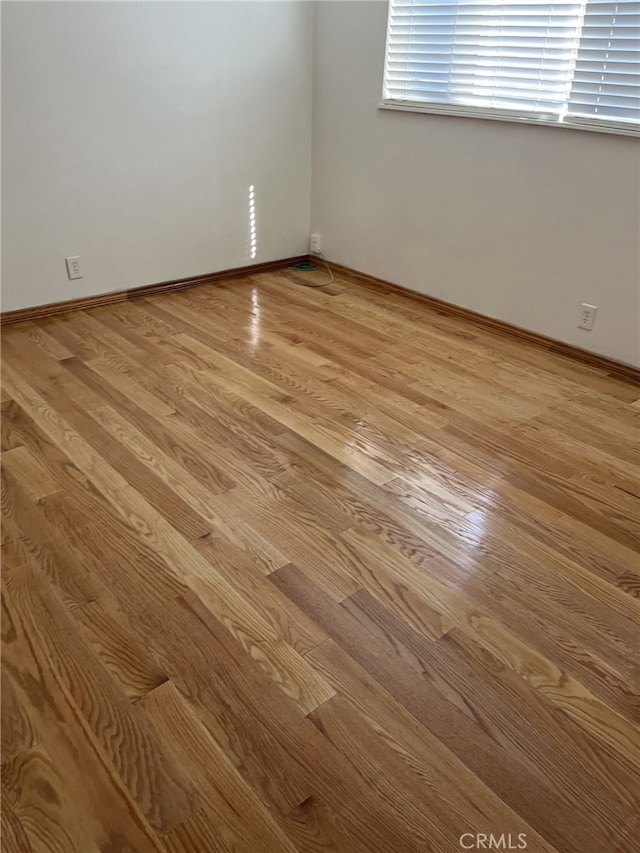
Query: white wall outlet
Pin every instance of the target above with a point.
(315, 244)
(74, 269)
(587, 316)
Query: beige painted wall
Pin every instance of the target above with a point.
(133, 131)
(522, 223)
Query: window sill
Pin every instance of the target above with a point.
(496, 115)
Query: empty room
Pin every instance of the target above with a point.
(319, 426)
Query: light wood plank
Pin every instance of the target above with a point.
(293, 569)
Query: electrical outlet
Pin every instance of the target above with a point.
(315, 244)
(73, 267)
(587, 316)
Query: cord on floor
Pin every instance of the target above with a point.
(303, 283)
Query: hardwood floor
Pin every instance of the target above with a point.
(314, 570)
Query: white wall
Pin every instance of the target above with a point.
(518, 222)
(132, 132)
(131, 135)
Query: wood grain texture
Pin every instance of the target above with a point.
(615, 368)
(53, 309)
(314, 571)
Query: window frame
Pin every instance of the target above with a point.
(497, 114)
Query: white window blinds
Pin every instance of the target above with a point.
(571, 62)
(606, 79)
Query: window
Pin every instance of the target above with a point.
(572, 63)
